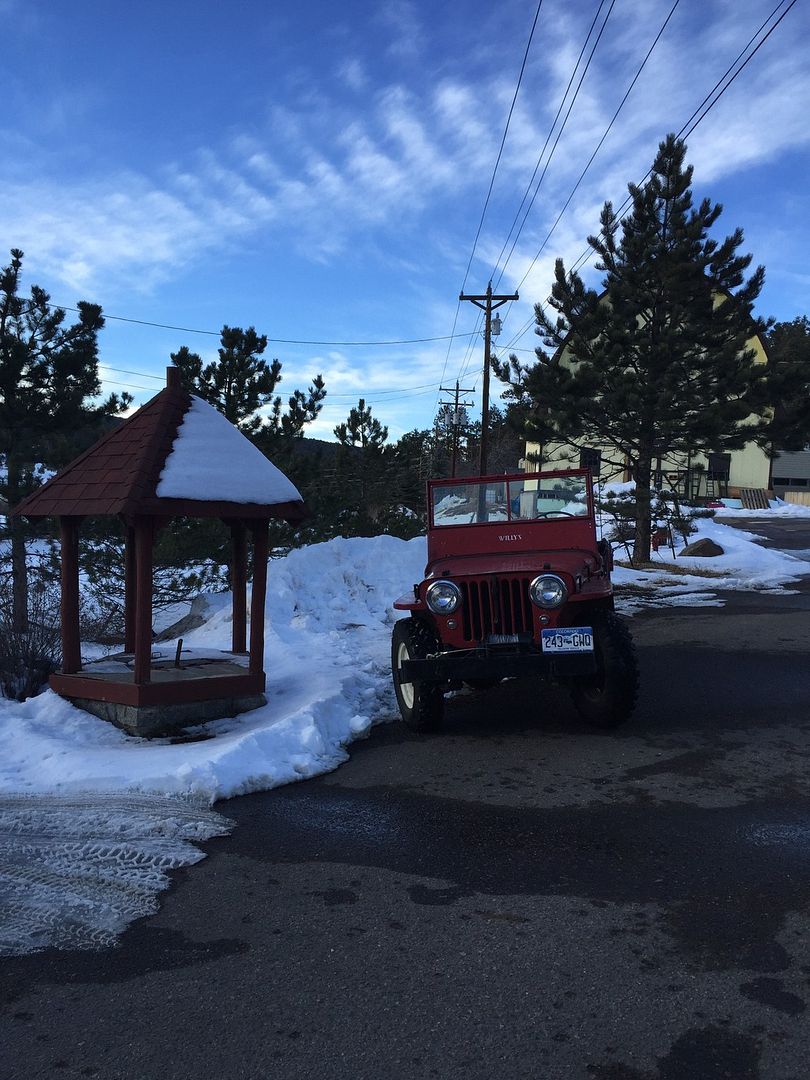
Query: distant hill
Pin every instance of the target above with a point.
(320, 448)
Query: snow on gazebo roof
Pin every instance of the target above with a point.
(177, 455)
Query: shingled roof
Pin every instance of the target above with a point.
(120, 474)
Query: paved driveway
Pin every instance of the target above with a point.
(516, 896)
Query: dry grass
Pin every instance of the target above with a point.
(672, 568)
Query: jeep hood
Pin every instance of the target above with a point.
(572, 561)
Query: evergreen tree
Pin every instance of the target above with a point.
(789, 358)
(413, 466)
(361, 428)
(239, 382)
(277, 437)
(506, 445)
(658, 364)
(48, 376)
(362, 466)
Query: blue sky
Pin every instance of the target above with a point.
(319, 170)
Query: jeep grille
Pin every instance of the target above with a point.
(495, 605)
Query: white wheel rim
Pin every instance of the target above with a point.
(405, 688)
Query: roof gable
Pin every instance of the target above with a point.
(121, 473)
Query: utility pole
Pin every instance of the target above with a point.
(455, 405)
(488, 303)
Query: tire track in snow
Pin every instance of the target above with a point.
(76, 870)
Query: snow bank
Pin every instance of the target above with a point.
(328, 674)
(327, 657)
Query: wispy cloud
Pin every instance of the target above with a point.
(353, 74)
(400, 20)
(327, 175)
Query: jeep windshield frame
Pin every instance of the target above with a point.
(539, 498)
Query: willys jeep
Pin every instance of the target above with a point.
(516, 584)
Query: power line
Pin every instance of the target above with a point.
(380, 394)
(491, 184)
(548, 138)
(128, 371)
(503, 143)
(739, 70)
(602, 140)
(698, 115)
(275, 341)
(370, 399)
(686, 129)
(468, 355)
(465, 366)
(595, 152)
(593, 156)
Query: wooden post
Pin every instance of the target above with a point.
(257, 599)
(239, 587)
(144, 535)
(71, 647)
(130, 590)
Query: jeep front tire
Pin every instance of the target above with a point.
(607, 698)
(420, 703)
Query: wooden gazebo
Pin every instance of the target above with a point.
(175, 457)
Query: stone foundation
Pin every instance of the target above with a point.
(150, 721)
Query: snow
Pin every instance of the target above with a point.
(327, 657)
(328, 631)
(778, 509)
(745, 565)
(92, 819)
(76, 870)
(211, 460)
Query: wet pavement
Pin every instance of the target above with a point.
(513, 896)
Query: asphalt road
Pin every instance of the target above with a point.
(516, 896)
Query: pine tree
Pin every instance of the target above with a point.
(362, 471)
(361, 428)
(240, 383)
(48, 375)
(789, 358)
(658, 363)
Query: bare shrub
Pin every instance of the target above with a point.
(27, 658)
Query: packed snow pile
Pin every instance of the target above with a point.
(733, 508)
(328, 633)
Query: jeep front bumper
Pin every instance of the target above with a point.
(459, 665)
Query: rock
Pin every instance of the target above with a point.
(703, 548)
(196, 617)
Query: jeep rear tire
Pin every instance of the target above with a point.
(607, 698)
(420, 703)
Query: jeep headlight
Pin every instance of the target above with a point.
(443, 597)
(548, 591)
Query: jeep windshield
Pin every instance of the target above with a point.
(531, 498)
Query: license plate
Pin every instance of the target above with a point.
(567, 639)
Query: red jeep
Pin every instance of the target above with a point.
(516, 584)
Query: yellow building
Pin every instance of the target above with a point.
(697, 476)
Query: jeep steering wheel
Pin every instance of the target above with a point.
(557, 513)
